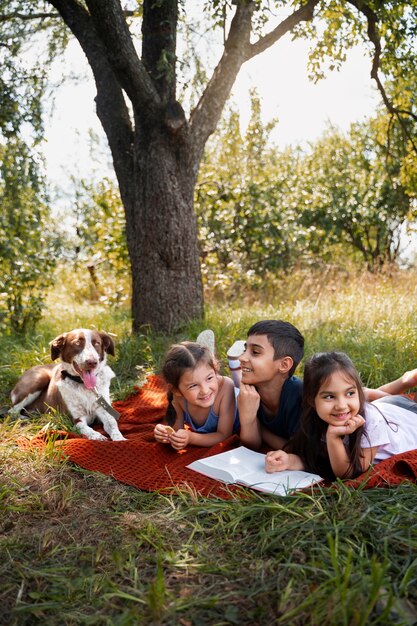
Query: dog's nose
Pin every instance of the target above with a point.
(91, 364)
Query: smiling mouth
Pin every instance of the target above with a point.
(207, 397)
(341, 416)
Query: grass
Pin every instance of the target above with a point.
(78, 548)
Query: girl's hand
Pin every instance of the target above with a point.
(349, 427)
(180, 439)
(162, 433)
(279, 461)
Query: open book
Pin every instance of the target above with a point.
(246, 467)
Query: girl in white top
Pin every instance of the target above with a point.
(340, 433)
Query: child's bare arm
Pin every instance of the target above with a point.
(250, 429)
(374, 394)
(275, 442)
(183, 438)
(338, 455)
(227, 408)
(163, 432)
(406, 381)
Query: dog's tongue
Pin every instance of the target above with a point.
(89, 380)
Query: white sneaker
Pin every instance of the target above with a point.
(236, 350)
(206, 338)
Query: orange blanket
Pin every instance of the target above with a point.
(151, 466)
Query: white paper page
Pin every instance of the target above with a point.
(247, 467)
(231, 466)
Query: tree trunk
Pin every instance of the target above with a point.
(162, 235)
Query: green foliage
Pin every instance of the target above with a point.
(262, 211)
(20, 93)
(403, 90)
(101, 233)
(23, 77)
(352, 192)
(27, 248)
(244, 202)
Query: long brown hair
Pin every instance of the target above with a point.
(310, 441)
(180, 358)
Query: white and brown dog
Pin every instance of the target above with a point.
(78, 386)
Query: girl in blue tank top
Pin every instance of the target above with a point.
(202, 407)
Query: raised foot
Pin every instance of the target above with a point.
(236, 350)
(206, 339)
(409, 379)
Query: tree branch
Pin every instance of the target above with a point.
(41, 16)
(110, 24)
(303, 14)
(159, 39)
(238, 49)
(374, 38)
(207, 113)
(111, 106)
(6, 17)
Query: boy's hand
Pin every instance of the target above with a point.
(162, 433)
(180, 439)
(349, 427)
(248, 402)
(279, 461)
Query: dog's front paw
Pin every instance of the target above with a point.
(118, 437)
(97, 436)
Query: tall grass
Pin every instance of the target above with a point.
(79, 548)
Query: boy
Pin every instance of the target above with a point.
(269, 401)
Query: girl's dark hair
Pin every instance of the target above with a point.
(180, 358)
(310, 441)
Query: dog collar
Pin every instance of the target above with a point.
(76, 379)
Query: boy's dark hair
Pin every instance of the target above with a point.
(283, 337)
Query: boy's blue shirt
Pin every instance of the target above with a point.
(286, 421)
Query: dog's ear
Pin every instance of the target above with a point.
(57, 345)
(108, 343)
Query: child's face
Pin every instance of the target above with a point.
(337, 399)
(199, 386)
(257, 362)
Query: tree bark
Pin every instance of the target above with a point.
(162, 234)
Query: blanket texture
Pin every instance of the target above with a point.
(151, 466)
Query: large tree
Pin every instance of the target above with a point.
(157, 148)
